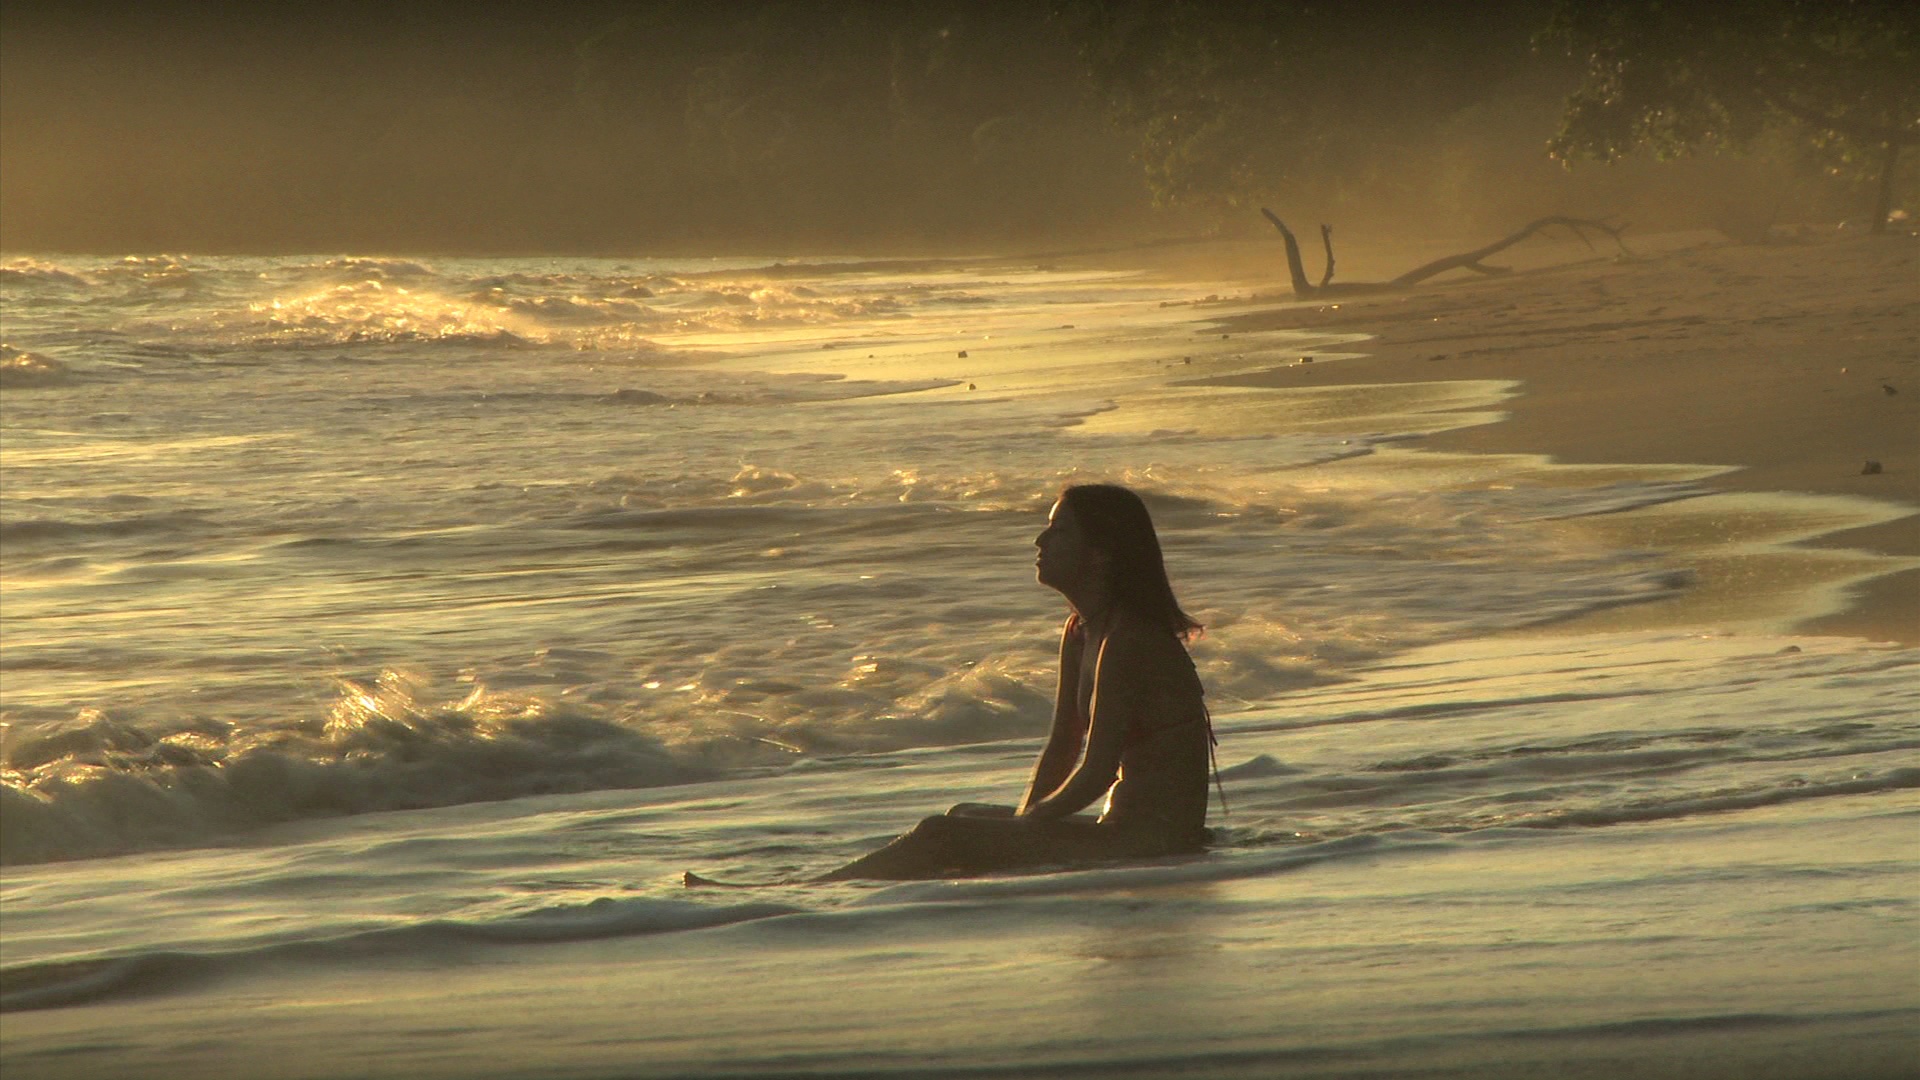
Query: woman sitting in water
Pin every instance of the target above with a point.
(1128, 697)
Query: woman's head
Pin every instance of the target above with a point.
(1101, 543)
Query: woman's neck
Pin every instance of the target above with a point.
(1094, 607)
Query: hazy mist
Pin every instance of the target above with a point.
(678, 127)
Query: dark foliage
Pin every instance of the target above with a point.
(1678, 77)
(1240, 101)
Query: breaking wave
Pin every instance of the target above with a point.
(100, 786)
(18, 367)
(236, 303)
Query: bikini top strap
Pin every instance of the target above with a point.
(1213, 753)
(1213, 740)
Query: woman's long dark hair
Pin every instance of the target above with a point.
(1114, 520)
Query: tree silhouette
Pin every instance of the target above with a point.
(1236, 102)
(1843, 76)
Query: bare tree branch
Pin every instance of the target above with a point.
(1469, 260)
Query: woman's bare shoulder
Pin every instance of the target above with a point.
(1136, 639)
(1144, 664)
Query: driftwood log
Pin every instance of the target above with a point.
(1469, 260)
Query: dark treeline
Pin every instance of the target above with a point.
(582, 127)
(774, 126)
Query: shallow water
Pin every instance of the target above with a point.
(367, 616)
(1606, 848)
(302, 537)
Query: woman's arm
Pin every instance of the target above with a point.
(1123, 685)
(1069, 727)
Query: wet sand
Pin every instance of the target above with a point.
(1798, 363)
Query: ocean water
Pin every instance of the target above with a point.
(394, 622)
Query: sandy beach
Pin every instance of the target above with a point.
(1797, 363)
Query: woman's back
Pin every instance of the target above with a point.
(1162, 786)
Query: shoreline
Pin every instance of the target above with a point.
(1792, 366)
(1457, 847)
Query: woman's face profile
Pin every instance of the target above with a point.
(1064, 553)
